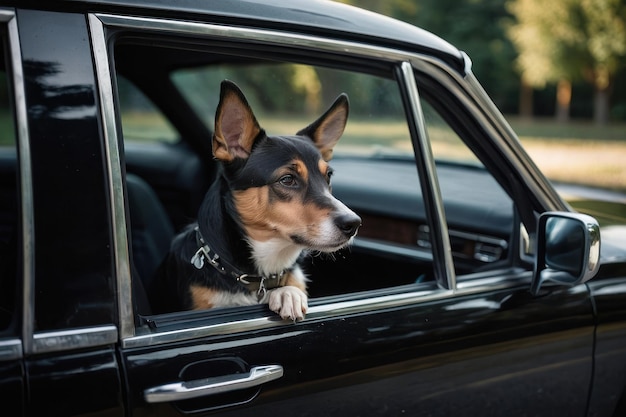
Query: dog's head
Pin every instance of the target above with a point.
(281, 184)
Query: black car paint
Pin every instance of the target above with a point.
(61, 94)
(404, 360)
(489, 353)
(73, 232)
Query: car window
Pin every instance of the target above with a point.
(374, 164)
(374, 158)
(9, 202)
(375, 171)
(377, 133)
(446, 144)
(479, 212)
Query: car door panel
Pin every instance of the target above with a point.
(12, 387)
(608, 396)
(85, 382)
(451, 355)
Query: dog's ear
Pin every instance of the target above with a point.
(235, 125)
(326, 131)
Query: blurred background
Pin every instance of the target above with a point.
(556, 69)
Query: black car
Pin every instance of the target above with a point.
(468, 290)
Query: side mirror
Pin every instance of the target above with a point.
(568, 249)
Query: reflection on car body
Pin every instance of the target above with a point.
(453, 299)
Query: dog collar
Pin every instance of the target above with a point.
(222, 266)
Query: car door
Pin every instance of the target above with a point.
(391, 327)
(608, 395)
(66, 308)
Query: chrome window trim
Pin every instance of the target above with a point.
(252, 35)
(431, 192)
(499, 129)
(325, 311)
(329, 310)
(121, 255)
(59, 340)
(10, 349)
(13, 349)
(408, 62)
(476, 101)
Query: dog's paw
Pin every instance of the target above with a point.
(289, 302)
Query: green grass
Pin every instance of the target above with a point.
(577, 152)
(147, 126)
(606, 212)
(578, 130)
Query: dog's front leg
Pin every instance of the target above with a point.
(290, 301)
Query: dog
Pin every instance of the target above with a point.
(270, 203)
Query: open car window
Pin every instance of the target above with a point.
(286, 97)
(373, 163)
(375, 171)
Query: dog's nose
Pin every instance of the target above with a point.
(348, 223)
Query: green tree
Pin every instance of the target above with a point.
(474, 26)
(570, 40)
(478, 28)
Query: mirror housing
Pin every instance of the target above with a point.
(568, 249)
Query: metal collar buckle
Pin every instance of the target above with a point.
(205, 252)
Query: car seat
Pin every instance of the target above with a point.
(151, 233)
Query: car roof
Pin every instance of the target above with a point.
(314, 17)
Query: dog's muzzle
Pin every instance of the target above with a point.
(348, 224)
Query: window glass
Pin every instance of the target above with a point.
(480, 214)
(9, 201)
(447, 146)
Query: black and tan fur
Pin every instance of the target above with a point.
(271, 202)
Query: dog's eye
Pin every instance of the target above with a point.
(288, 181)
(329, 175)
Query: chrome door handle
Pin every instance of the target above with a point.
(210, 386)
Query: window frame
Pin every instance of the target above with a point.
(26, 341)
(103, 29)
(12, 347)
